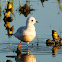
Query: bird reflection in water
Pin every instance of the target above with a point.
(42, 1)
(23, 56)
(27, 57)
(26, 9)
(8, 19)
(8, 61)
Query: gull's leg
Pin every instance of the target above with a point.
(27, 45)
(38, 41)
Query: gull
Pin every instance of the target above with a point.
(27, 33)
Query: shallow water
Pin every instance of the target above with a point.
(49, 15)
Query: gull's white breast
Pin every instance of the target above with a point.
(30, 35)
(26, 35)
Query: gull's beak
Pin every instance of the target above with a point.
(37, 22)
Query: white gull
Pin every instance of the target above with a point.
(27, 33)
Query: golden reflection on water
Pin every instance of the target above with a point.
(56, 39)
(59, 3)
(26, 10)
(56, 42)
(8, 19)
(55, 49)
(0, 10)
(25, 56)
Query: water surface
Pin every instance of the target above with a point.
(49, 15)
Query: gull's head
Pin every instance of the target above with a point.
(31, 20)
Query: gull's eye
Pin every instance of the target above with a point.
(32, 20)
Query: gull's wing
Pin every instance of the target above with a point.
(20, 31)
